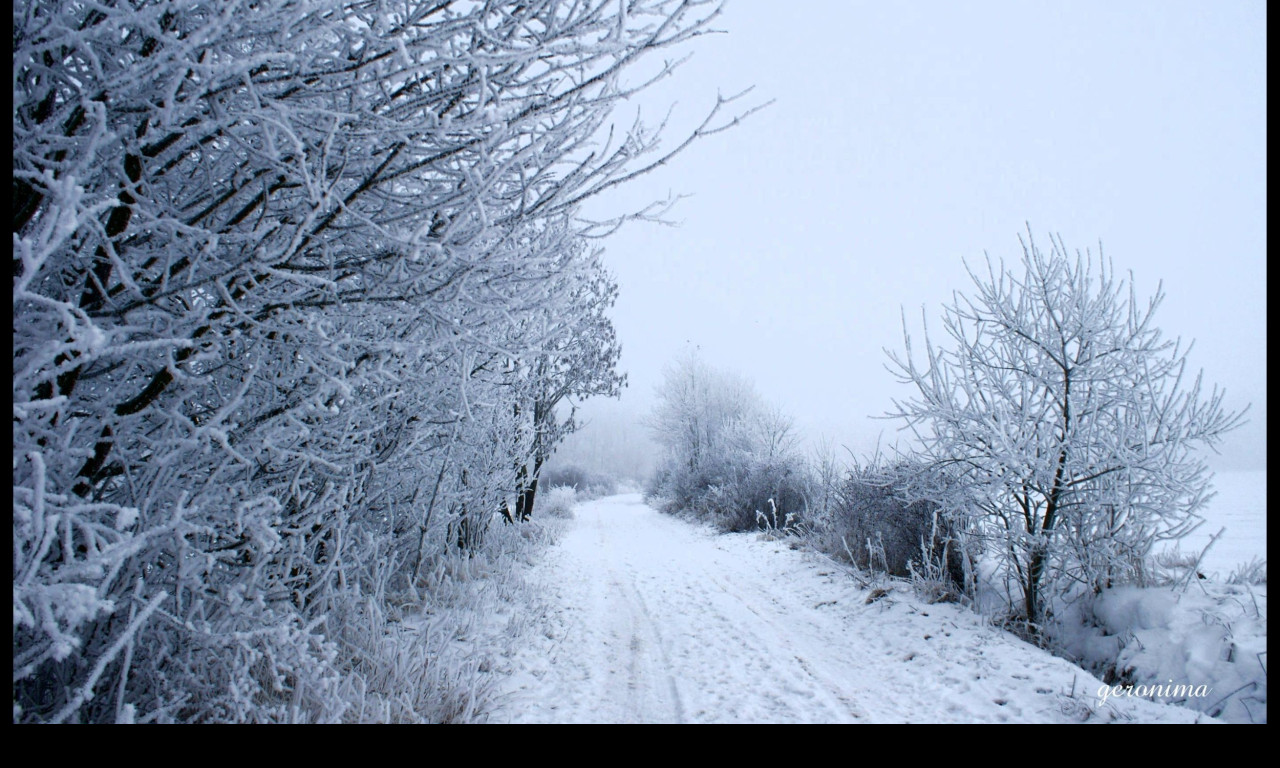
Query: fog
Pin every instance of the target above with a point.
(905, 138)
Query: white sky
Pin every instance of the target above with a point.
(907, 136)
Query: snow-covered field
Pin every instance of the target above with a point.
(1240, 507)
(653, 619)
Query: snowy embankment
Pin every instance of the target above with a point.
(1206, 631)
(1203, 646)
(652, 619)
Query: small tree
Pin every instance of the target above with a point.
(1059, 427)
(697, 406)
(726, 455)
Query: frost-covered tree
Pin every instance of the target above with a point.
(725, 453)
(1058, 426)
(576, 356)
(272, 264)
(697, 408)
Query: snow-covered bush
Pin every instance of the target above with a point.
(748, 486)
(1203, 648)
(560, 501)
(589, 485)
(873, 522)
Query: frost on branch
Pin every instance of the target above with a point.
(296, 292)
(1058, 426)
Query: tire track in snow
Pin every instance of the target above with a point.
(650, 628)
(650, 693)
(652, 619)
(651, 633)
(824, 685)
(729, 658)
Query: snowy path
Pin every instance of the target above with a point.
(651, 619)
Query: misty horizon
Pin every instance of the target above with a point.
(902, 143)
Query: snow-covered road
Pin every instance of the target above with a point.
(652, 619)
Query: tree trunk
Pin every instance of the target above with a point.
(530, 492)
(1031, 590)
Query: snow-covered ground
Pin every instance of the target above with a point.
(652, 619)
(1203, 646)
(1209, 631)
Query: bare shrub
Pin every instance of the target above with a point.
(727, 456)
(884, 532)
